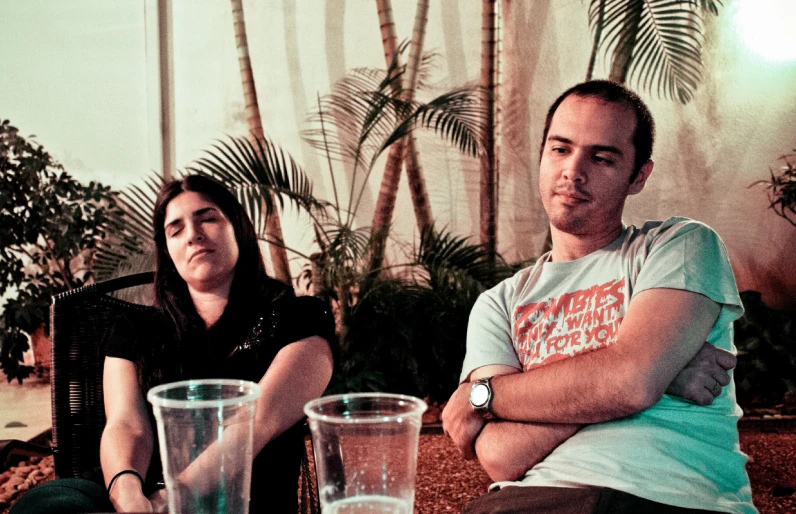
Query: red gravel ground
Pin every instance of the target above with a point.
(446, 482)
(772, 470)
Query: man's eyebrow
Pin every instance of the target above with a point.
(608, 148)
(560, 139)
(596, 148)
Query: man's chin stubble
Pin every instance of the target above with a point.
(570, 225)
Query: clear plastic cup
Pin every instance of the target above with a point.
(205, 432)
(365, 449)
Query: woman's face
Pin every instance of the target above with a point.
(201, 242)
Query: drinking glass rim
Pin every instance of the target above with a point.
(419, 407)
(251, 391)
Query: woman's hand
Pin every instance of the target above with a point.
(127, 496)
(159, 500)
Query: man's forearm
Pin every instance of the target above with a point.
(586, 389)
(507, 449)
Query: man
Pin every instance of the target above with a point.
(595, 351)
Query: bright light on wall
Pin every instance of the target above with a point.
(768, 27)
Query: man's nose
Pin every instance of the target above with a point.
(576, 167)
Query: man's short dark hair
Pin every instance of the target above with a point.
(608, 91)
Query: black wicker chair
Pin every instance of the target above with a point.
(79, 320)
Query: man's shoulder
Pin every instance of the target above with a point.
(503, 295)
(658, 232)
(519, 278)
(671, 226)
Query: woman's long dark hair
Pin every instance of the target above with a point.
(172, 298)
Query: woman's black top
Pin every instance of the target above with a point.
(241, 345)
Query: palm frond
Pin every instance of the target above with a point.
(257, 175)
(666, 49)
(447, 257)
(343, 250)
(428, 62)
(363, 109)
(130, 233)
(457, 116)
(347, 245)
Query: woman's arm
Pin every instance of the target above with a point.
(299, 373)
(127, 438)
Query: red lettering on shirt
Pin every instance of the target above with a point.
(568, 325)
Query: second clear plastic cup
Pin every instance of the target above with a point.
(365, 449)
(205, 430)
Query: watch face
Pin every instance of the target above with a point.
(479, 394)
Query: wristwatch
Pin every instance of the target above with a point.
(481, 397)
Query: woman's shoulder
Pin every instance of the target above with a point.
(126, 334)
(298, 317)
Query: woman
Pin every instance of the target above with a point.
(220, 316)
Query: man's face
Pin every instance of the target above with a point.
(587, 161)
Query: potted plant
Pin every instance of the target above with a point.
(49, 226)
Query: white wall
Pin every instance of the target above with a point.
(75, 74)
(707, 152)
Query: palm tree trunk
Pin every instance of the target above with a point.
(623, 52)
(273, 228)
(488, 182)
(598, 31)
(402, 149)
(387, 27)
(385, 203)
(414, 172)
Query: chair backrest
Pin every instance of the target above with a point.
(79, 322)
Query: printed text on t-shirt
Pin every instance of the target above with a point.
(568, 325)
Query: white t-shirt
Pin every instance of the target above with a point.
(674, 452)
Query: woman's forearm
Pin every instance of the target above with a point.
(124, 447)
(299, 373)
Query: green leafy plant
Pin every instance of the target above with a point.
(766, 342)
(50, 225)
(782, 188)
(408, 331)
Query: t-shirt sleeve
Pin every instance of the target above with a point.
(489, 339)
(690, 256)
(300, 317)
(121, 340)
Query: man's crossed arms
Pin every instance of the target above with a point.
(660, 349)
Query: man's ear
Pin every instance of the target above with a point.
(641, 179)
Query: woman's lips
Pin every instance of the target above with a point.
(200, 253)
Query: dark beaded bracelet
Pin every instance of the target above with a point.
(124, 472)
